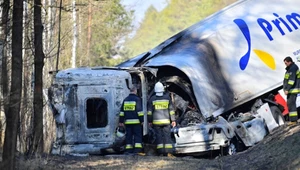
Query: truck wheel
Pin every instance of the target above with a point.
(277, 115)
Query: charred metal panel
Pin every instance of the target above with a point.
(250, 132)
(198, 60)
(204, 137)
(78, 94)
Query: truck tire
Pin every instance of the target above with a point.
(277, 115)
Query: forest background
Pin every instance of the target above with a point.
(40, 37)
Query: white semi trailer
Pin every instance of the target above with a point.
(222, 73)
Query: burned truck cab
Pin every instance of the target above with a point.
(86, 103)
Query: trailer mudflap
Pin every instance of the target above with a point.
(265, 112)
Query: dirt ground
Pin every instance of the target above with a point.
(279, 150)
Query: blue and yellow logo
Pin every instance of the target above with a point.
(264, 56)
(290, 23)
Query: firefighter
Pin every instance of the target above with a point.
(132, 117)
(291, 86)
(160, 115)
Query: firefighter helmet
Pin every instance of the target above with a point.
(159, 89)
(120, 131)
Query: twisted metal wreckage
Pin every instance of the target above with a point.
(224, 89)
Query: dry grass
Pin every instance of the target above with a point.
(280, 150)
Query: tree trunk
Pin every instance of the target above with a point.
(59, 30)
(74, 44)
(22, 133)
(12, 116)
(38, 80)
(1, 96)
(4, 75)
(89, 32)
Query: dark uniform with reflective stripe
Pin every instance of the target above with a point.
(160, 114)
(132, 116)
(291, 83)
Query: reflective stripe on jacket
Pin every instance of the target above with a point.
(131, 110)
(160, 110)
(291, 81)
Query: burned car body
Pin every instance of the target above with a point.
(222, 85)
